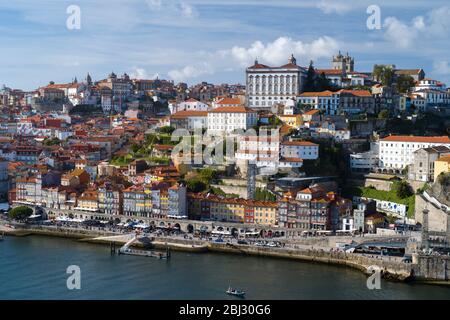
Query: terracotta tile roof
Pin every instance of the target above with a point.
(358, 93)
(330, 71)
(240, 109)
(317, 94)
(291, 160)
(408, 71)
(290, 66)
(258, 66)
(429, 139)
(189, 113)
(444, 159)
(311, 112)
(229, 101)
(299, 143)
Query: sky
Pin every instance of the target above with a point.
(213, 40)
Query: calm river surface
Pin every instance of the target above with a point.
(35, 268)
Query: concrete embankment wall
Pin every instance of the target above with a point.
(62, 233)
(391, 270)
(433, 268)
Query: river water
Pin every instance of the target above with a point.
(35, 268)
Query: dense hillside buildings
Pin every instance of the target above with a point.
(339, 102)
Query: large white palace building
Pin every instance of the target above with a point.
(267, 86)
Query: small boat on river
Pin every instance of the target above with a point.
(235, 292)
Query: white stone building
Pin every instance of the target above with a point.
(267, 86)
(305, 150)
(365, 161)
(264, 151)
(397, 152)
(190, 105)
(228, 119)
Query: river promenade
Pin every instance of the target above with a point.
(424, 268)
(391, 267)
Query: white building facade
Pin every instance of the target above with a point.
(229, 119)
(397, 152)
(305, 150)
(326, 101)
(190, 105)
(267, 86)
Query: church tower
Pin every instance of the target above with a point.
(88, 79)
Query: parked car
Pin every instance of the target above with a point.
(242, 242)
(272, 244)
(218, 240)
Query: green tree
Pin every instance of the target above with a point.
(207, 175)
(135, 147)
(402, 189)
(264, 195)
(51, 141)
(383, 74)
(444, 178)
(387, 76)
(404, 83)
(167, 129)
(195, 185)
(323, 83)
(20, 213)
(383, 114)
(310, 78)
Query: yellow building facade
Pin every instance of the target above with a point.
(441, 165)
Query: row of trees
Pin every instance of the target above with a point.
(386, 75)
(316, 82)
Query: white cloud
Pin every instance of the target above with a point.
(276, 52)
(434, 26)
(141, 73)
(188, 11)
(272, 53)
(330, 6)
(441, 67)
(439, 22)
(180, 9)
(399, 33)
(154, 4)
(190, 72)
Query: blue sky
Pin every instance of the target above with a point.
(213, 40)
